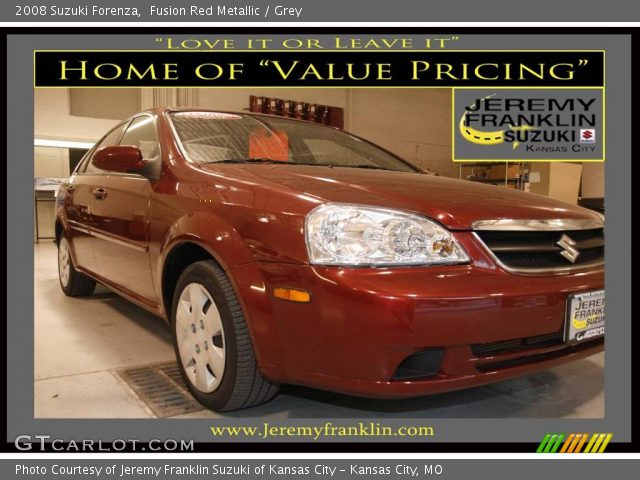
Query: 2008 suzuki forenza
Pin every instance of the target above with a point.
(282, 251)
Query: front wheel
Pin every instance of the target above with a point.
(73, 283)
(212, 342)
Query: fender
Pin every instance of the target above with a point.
(206, 229)
(228, 249)
(61, 217)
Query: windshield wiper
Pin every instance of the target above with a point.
(333, 165)
(249, 160)
(369, 166)
(284, 162)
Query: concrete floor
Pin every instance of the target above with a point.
(80, 343)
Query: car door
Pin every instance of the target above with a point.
(79, 198)
(120, 214)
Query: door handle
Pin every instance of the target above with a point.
(100, 193)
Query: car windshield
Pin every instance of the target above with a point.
(210, 137)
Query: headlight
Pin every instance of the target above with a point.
(342, 234)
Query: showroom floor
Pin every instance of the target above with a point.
(82, 346)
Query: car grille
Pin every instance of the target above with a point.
(517, 345)
(540, 250)
(540, 357)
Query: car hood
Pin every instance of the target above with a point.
(452, 202)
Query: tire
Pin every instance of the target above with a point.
(209, 329)
(72, 282)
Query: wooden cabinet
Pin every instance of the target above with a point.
(324, 114)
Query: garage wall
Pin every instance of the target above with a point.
(51, 162)
(413, 123)
(52, 118)
(592, 180)
(107, 103)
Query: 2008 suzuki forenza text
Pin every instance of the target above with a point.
(283, 251)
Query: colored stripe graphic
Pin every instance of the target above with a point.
(556, 445)
(570, 443)
(582, 442)
(543, 443)
(591, 442)
(573, 443)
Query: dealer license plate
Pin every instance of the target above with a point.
(585, 317)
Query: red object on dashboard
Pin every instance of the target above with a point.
(272, 144)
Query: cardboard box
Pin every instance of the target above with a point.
(557, 180)
(499, 172)
(592, 185)
(473, 171)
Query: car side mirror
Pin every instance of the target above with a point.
(119, 158)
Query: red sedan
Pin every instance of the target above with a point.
(282, 251)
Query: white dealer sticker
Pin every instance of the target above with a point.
(585, 317)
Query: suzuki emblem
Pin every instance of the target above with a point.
(568, 248)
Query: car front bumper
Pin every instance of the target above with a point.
(363, 324)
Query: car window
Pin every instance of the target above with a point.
(142, 134)
(325, 151)
(111, 138)
(208, 137)
(82, 165)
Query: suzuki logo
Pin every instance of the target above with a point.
(568, 244)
